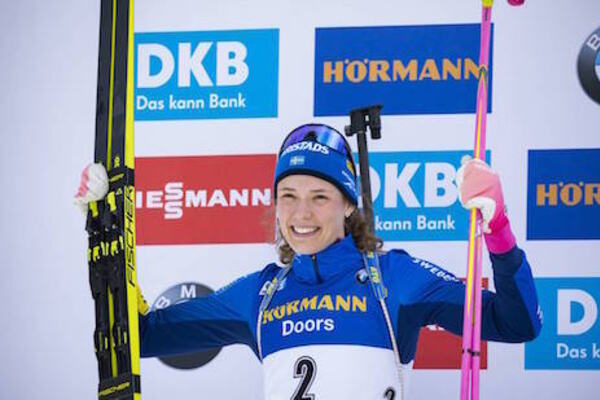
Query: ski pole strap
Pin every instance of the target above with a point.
(266, 300)
(371, 262)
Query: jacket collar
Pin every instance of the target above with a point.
(340, 257)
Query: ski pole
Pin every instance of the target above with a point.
(360, 119)
(471, 343)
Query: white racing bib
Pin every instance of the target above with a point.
(331, 372)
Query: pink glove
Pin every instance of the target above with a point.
(93, 186)
(479, 187)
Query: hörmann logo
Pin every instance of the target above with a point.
(411, 69)
(563, 194)
(214, 74)
(569, 194)
(329, 302)
(211, 199)
(415, 195)
(571, 335)
(357, 71)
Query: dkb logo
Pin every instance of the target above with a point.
(231, 66)
(570, 338)
(218, 74)
(415, 195)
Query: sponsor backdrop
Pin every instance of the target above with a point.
(218, 85)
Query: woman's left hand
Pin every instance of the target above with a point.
(479, 187)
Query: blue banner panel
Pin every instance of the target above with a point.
(206, 75)
(426, 69)
(570, 337)
(563, 194)
(415, 195)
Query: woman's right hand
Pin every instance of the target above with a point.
(93, 186)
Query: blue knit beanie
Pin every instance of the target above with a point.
(321, 151)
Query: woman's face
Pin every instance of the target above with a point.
(310, 212)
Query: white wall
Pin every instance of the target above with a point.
(48, 69)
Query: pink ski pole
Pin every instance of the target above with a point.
(471, 343)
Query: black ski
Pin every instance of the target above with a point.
(111, 222)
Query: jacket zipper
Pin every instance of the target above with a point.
(316, 268)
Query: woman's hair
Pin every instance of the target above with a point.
(355, 224)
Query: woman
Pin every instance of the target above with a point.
(338, 320)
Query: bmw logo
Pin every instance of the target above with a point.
(178, 294)
(588, 66)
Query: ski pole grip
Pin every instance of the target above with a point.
(360, 119)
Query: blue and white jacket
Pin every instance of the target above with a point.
(324, 333)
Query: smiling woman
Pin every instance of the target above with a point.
(341, 319)
(316, 194)
(310, 213)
